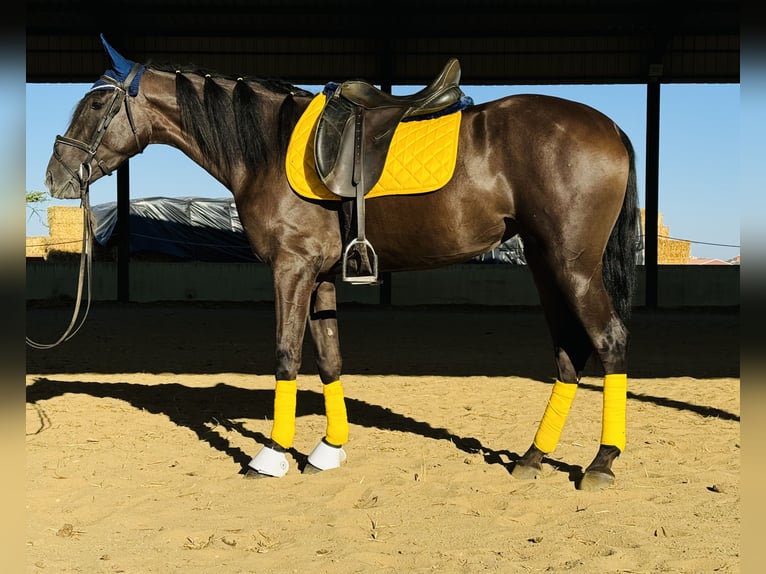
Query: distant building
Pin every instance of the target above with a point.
(708, 261)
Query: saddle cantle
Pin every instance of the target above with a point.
(351, 142)
(357, 124)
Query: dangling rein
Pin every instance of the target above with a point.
(84, 278)
(421, 159)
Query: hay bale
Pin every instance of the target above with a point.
(673, 251)
(65, 224)
(66, 228)
(65, 221)
(669, 251)
(37, 246)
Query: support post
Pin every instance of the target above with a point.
(123, 224)
(652, 188)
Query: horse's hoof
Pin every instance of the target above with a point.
(324, 457)
(310, 469)
(523, 472)
(251, 474)
(595, 480)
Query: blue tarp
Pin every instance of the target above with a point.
(187, 228)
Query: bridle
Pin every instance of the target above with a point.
(83, 177)
(119, 89)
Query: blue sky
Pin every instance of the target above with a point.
(699, 188)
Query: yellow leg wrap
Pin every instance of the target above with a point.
(283, 430)
(556, 412)
(615, 406)
(337, 418)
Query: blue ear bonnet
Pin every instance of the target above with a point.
(119, 71)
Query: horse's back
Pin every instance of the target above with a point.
(537, 120)
(525, 163)
(550, 149)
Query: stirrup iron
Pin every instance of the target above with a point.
(361, 246)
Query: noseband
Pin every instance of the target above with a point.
(118, 97)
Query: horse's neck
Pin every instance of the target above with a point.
(163, 115)
(159, 89)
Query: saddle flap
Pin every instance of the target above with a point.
(334, 146)
(351, 145)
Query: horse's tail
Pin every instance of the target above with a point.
(619, 262)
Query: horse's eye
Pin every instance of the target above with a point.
(96, 105)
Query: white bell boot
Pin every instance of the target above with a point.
(270, 462)
(326, 457)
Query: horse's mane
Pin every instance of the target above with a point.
(230, 125)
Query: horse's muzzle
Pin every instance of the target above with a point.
(70, 189)
(75, 183)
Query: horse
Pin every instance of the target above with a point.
(558, 174)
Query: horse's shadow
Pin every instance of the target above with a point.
(222, 405)
(199, 409)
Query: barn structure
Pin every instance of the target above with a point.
(498, 42)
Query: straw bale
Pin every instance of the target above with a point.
(673, 251)
(65, 221)
(66, 227)
(669, 251)
(37, 246)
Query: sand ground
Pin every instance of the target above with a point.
(138, 430)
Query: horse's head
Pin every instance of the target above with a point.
(102, 133)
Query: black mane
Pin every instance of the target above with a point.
(230, 125)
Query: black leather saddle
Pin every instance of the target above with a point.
(351, 142)
(357, 124)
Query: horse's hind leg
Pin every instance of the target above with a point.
(323, 324)
(610, 340)
(580, 323)
(572, 349)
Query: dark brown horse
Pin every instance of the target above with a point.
(557, 173)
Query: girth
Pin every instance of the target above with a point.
(351, 143)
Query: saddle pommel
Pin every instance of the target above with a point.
(441, 93)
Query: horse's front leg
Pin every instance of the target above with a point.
(292, 296)
(323, 325)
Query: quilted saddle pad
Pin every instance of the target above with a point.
(421, 158)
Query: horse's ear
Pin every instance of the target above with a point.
(120, 69)
(120, 64)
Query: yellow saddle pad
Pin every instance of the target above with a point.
(421, 157)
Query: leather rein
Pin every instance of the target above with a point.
(83, 177)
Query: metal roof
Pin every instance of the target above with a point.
(502, 42)
(305, 42)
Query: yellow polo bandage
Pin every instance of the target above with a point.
(615, 406)
(283, 430)
(337, 418)
(549, 431)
